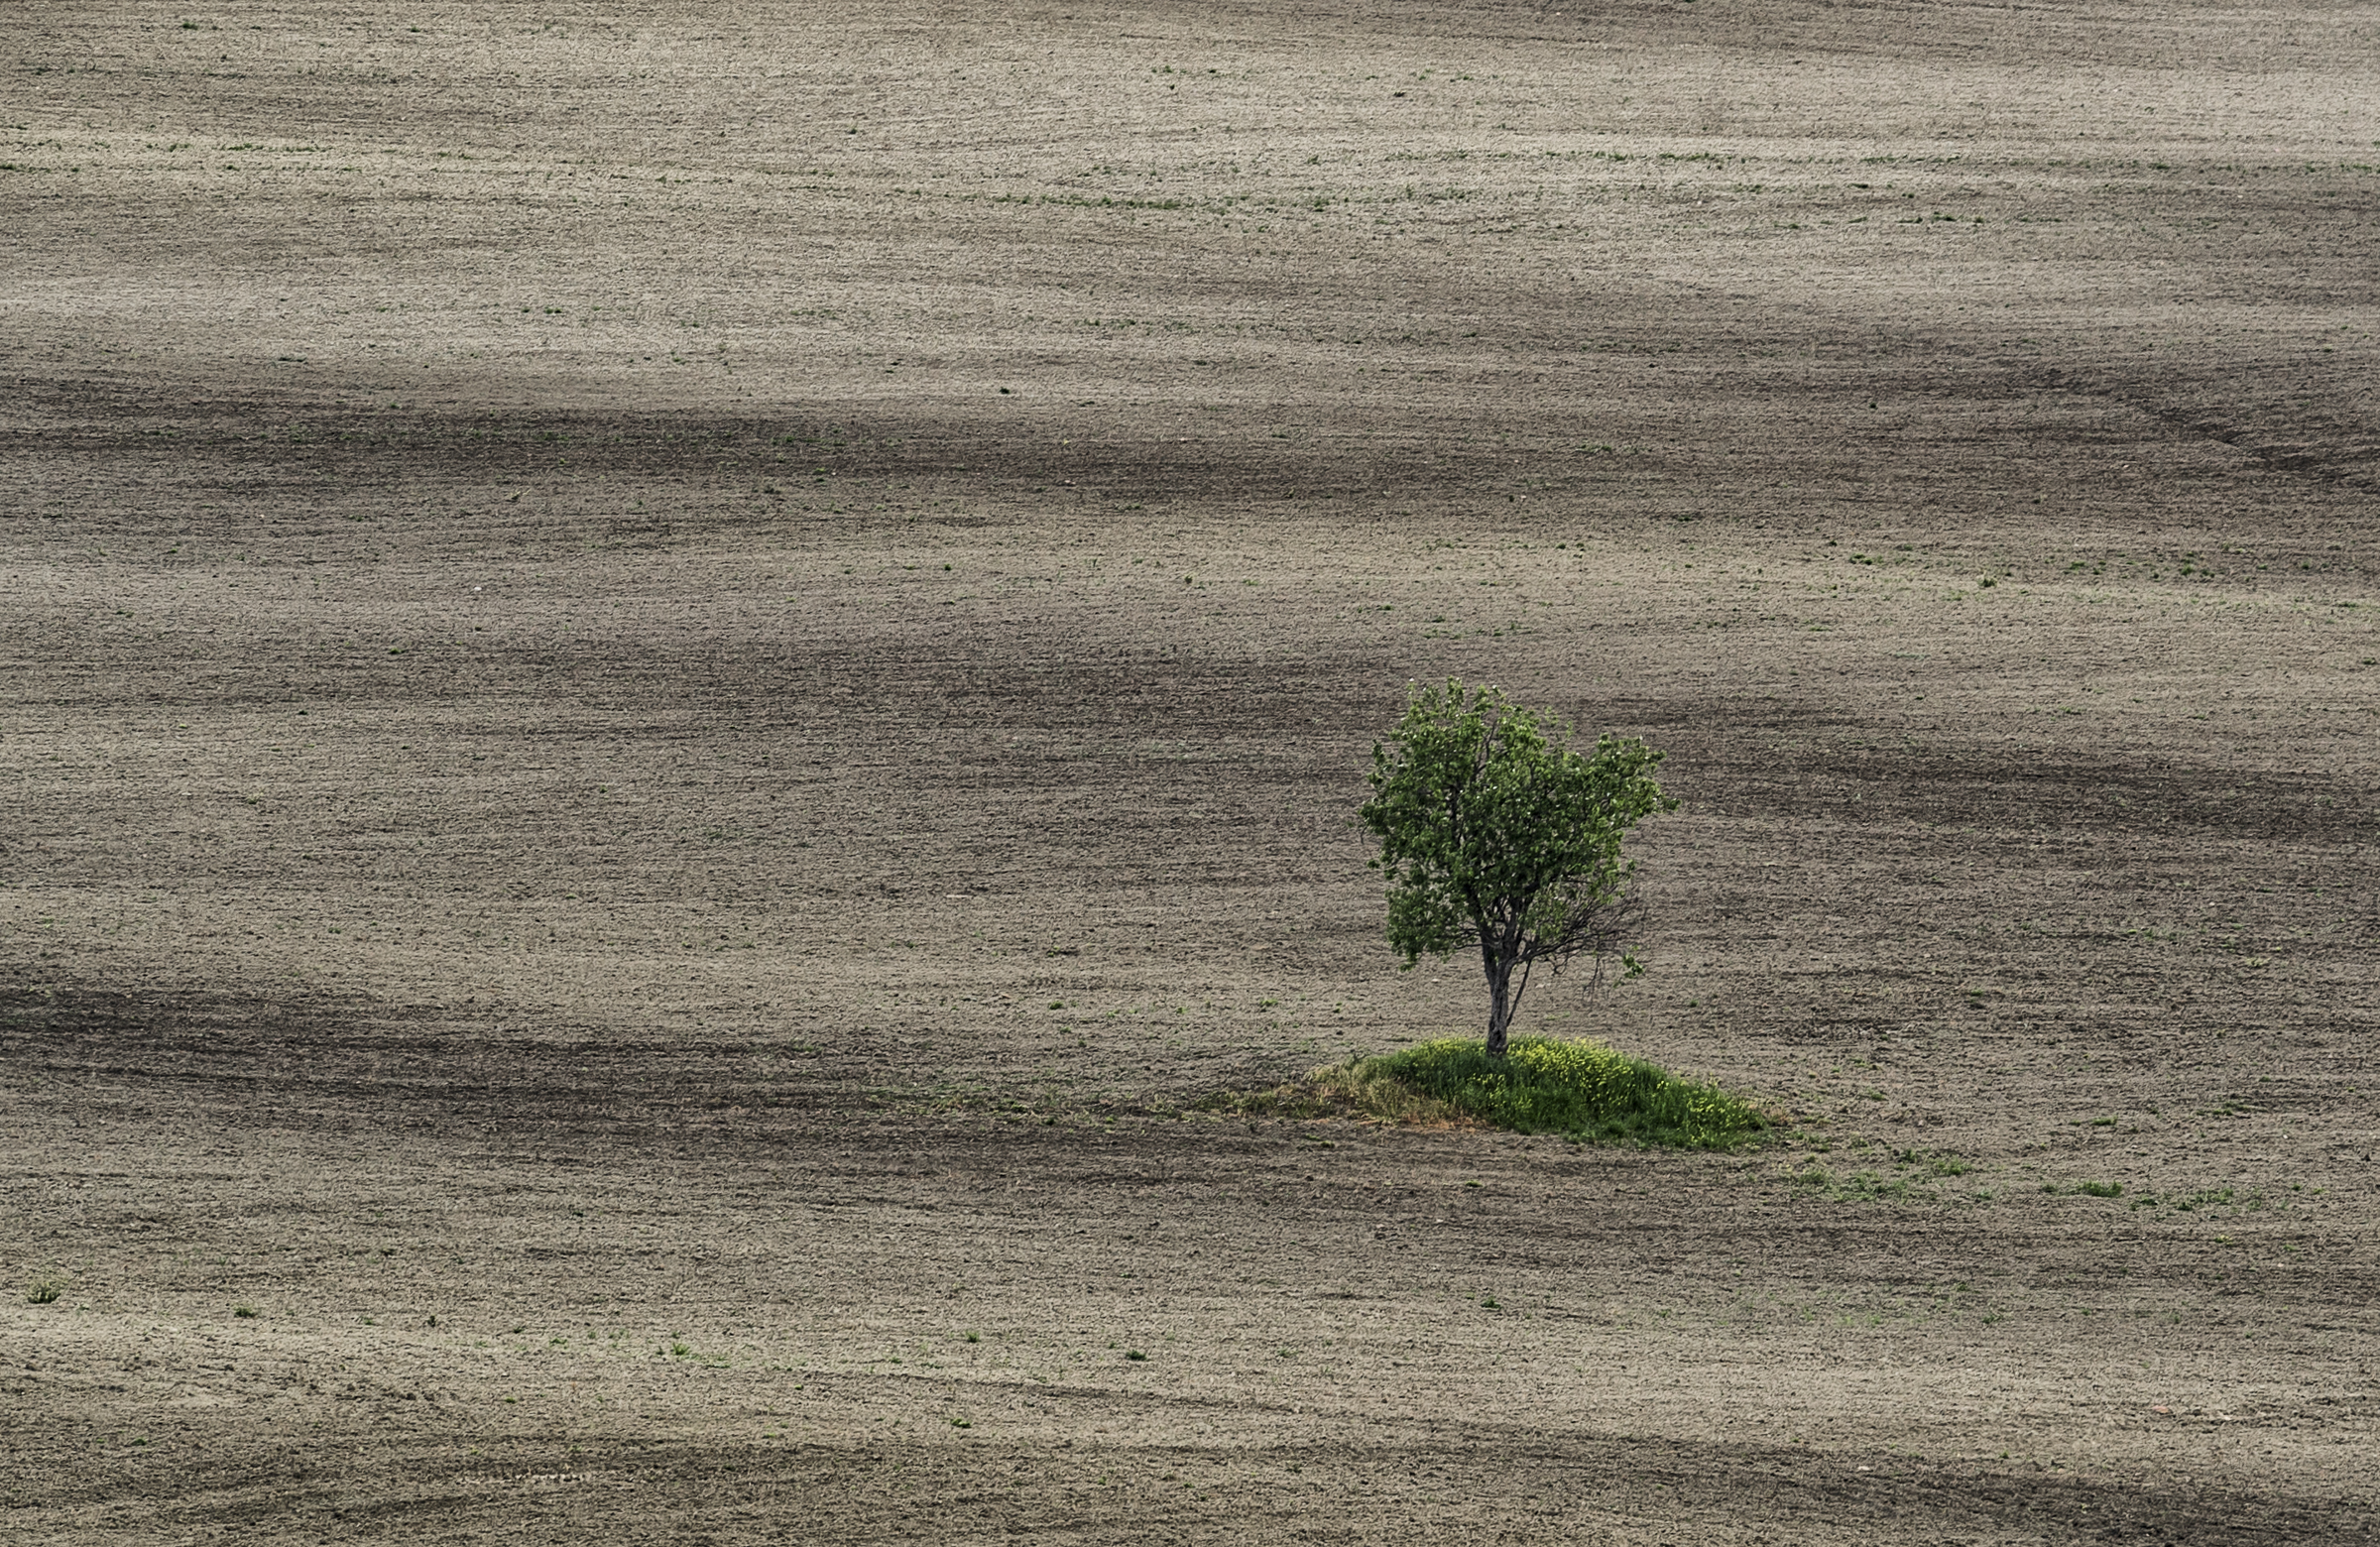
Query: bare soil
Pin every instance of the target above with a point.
(676, 677)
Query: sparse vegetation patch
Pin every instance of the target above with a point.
(1585, 1091)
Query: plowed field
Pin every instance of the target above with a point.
(674, 679)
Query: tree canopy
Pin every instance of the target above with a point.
(1493, 831)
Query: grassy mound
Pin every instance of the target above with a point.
(1584, 1091)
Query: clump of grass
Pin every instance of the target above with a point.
(1585, 1091)
(43, 1291)
(1582, 1090)
(1355, 1089)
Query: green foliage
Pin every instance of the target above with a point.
(1583, 1091)
(1495, 833)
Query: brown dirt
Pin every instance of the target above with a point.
(673, 675)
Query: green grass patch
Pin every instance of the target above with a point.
(1585, 1092)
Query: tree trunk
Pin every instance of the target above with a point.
(1500, 1002)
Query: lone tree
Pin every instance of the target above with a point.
(1492, 829)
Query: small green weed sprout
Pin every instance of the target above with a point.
(43, 1291)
